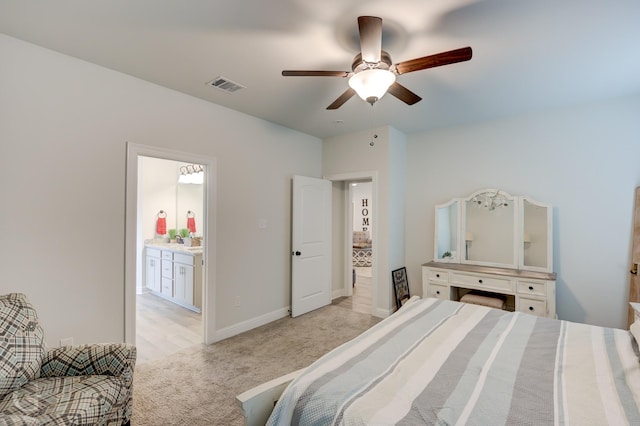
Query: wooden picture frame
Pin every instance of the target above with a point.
(400, 286)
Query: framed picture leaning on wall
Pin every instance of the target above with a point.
(400, 286)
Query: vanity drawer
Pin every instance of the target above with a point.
(438, 291)
(167, 287)
(533, 306)
(438, 275)
(184, 258)
(167, 255)
(153, 252)
(167, 269)
(483, 282)
(536, 288)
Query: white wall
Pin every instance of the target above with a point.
(352, 154)
(583, 160)
(158, 188)
(396, 205)
(64, 125)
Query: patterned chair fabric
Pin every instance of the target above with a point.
(81, 385)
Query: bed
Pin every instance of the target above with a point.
(444, 362)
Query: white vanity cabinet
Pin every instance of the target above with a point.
(525, 291)
(153, 269)
(176, 275)
(187, 279)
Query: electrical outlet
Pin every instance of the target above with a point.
(68, 341)
(237, 301)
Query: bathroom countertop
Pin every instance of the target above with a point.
(176, 247)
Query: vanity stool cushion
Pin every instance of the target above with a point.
(479, 299)
(21, 343)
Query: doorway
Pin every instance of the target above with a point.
(362, 222)
(343, 253)
(169, 288)
(135, 242)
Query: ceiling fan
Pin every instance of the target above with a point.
(373, 73)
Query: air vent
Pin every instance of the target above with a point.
(225, 85)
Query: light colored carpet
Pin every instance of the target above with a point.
(198, 385)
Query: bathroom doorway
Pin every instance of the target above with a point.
(169, 287)
(142, 216)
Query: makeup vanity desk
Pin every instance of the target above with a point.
(497, 245)
(531, 292)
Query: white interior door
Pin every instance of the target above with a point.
(311, 245)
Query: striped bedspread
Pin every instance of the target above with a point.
(443, 362)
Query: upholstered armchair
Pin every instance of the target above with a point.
(80, 385)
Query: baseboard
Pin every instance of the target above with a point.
(338, 293)
(236, 329)
(381, 313)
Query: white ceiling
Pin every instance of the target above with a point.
(527, 55)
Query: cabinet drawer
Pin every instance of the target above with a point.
(153, 252)
(533, 306)
(538, 288)
(167, 286)
(438, 291)
(167, 269)
(183, 258)
(438, 275)
(167, 255)
(483, 282)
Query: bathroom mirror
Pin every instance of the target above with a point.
(189, 197)
(489, 228)
(536, 235)
(446, 231)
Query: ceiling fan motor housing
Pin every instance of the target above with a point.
(360, 65)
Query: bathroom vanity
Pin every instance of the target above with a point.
(174, 272)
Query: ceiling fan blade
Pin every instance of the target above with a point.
(431, 61)
(290, 73)
(404, 94)
(370, 28)
(342, 99)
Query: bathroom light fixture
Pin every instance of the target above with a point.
(490, 200)
(371, 84)
(191, 173)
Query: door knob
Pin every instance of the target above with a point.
(297, 253)
(634, 270)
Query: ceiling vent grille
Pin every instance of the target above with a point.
(225, 84)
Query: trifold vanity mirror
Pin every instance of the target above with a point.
(493, 228)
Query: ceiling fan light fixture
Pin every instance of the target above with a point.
(372, 84)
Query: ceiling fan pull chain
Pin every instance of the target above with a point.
(373, 130)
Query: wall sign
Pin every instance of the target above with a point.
(365, 214)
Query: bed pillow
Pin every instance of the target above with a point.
(21, 342)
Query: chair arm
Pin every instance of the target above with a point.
(113, 359)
